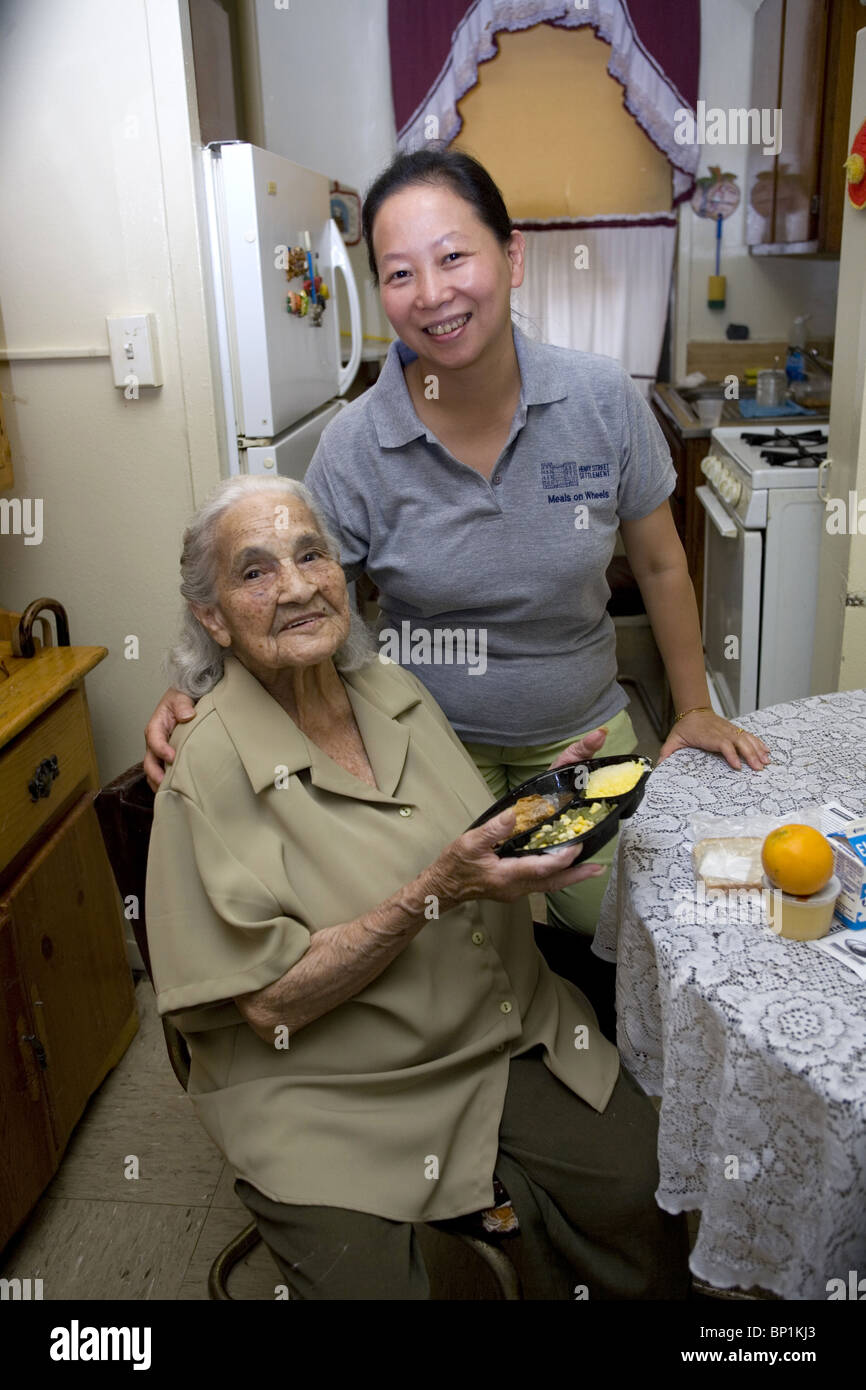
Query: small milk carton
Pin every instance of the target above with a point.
(847, 834)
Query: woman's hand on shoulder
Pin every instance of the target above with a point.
(708, 730)
(174, 708)
(469, 868)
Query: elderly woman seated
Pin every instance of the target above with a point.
(374, 1035)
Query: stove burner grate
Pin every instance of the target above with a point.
(789, 450)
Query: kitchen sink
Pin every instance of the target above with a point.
(690, 396)
(709, 391)
(715, 391)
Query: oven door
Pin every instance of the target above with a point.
(732, 603)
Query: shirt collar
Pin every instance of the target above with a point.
(544, 378)
(266, 738)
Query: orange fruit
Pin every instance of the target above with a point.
(797, 859)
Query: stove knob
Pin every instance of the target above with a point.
(711, 467)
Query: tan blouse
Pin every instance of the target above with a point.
(390, 1103)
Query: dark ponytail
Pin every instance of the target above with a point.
(460, 172)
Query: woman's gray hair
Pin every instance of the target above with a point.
(195, 662)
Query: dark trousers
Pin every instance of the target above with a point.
(568, 954)
(582, 1185)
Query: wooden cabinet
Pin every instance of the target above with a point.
(27, 1147)
(67, 1008)
(803, 65)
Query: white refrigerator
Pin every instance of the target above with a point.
(282, 375)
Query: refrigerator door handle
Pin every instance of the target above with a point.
(340, 261)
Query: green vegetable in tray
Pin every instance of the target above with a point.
(569, 825)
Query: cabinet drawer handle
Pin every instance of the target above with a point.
(40, 782)
(37, 1048)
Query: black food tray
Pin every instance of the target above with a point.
(561, 780)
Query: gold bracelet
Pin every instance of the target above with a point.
(693, 710)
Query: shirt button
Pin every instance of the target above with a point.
(405, 810)
(497, 479)
(505, 1007)
(500, 1047)
(478, 938)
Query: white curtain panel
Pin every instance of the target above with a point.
(600, 289)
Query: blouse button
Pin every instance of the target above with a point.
(505, 1007)
(478, 938)
(405, 810)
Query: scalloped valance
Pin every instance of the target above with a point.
(438, 45)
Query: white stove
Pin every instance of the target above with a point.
(762, 542)
(747, 463)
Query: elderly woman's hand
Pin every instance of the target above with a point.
(469, 868)
(174, 708)
(587, 747)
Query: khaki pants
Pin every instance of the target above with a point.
(582, 1186)
(503, 769)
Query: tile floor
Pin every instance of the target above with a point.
(99, 1234)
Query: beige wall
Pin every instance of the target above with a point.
(839, 657)
(852, 671)
(548, 121)
(99, 217)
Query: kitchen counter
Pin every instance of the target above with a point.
(685, 421)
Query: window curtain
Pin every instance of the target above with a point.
(616, 302)
(600, 286)
(437, 46)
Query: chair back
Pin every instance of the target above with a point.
(125, 812)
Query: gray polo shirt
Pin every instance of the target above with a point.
(493, 591)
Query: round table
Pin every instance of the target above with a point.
(756, 1044)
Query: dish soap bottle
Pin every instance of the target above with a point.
(795, 366)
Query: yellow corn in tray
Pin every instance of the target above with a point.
(615, 779)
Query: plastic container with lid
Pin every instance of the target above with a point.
(710, 412)
(801, 919)
(772, 387)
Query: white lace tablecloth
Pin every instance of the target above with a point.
(756, 1044)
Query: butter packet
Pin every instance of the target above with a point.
(729, 861)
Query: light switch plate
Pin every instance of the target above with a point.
(134, 348)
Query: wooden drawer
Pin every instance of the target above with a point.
(63, 733)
